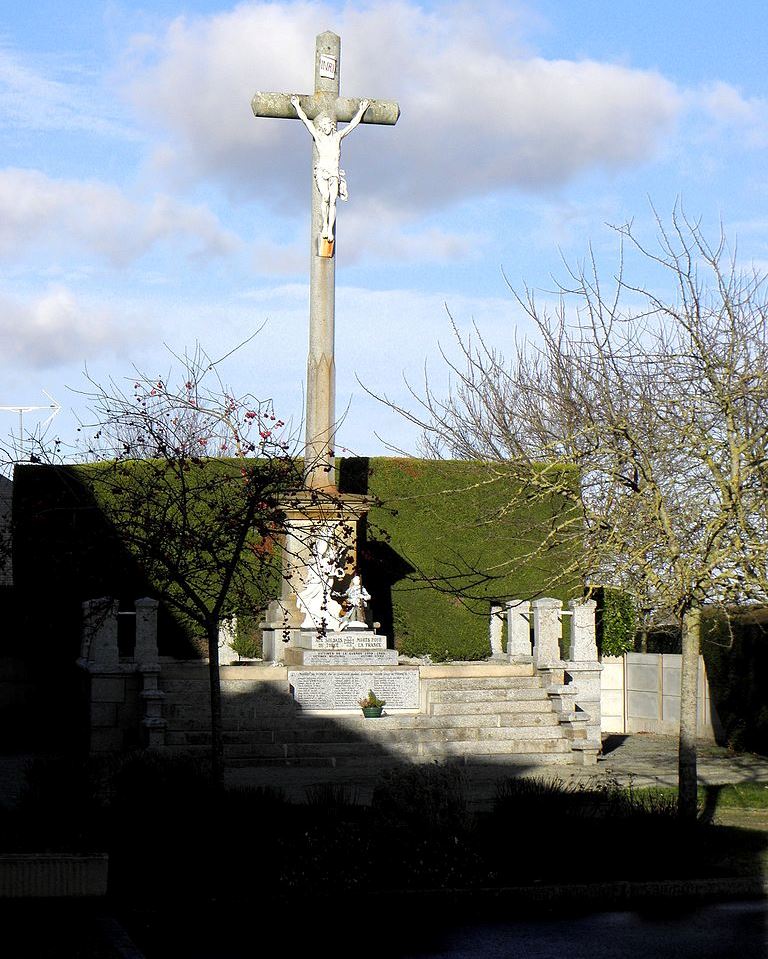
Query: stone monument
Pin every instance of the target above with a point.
(320, 618)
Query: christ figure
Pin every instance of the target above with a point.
(329, 177)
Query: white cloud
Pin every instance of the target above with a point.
(729, 109)
(478, 115)
(55, 329)
(36, 210)
(32, 97)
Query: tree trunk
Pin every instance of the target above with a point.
(217, 738)
(689, 674)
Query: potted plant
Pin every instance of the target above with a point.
(371, 705)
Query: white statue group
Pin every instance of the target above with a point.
(329, 177)
(316, 600)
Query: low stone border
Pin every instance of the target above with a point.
(598, 895)
(52, 875)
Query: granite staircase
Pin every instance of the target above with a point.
(479, 720)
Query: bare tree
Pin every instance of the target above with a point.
(193, 479)
(658, 404)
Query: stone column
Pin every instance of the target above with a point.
(147, 662)
(145, 650)
(546, 631)
(583, 669)
(99, 632)
(583, 647)
(519, 631)
(496, 631)
(106, 686)
(321, 366)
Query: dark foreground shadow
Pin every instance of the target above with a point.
(613, 741)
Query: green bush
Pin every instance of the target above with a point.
(442, 546)
(735, 649)
(616, 621)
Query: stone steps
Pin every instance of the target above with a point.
(490, 719)
(297, 726)
(485, 682)
(392, 737)
(486, 694)
(533, 703)
(396, 752)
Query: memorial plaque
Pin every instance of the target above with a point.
(327, 689)
(362, 640)
(349, 657)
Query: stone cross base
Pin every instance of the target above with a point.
(350, 647)
(306, 513)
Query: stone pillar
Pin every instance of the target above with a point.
(519, 631)
(496, 631)
(546, 631)
(99, 632)
(583, 647)
(319, 465)
(582, 671)
(145, 650)
(147, 663)
(100, 658)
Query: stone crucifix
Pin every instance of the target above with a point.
(320, 112)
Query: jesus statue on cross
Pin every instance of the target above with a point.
(329, 177)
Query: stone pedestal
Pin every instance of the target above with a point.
(519, 631)
(306, 512)
(496, 631)
(583, 668)
(350, 647)
(547, 629)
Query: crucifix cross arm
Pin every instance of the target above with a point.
(342, 109)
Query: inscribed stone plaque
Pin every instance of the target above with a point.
(360, 639)
(349, 657)
(327, 689)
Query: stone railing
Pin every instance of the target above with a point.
(534, 631)
(124, 701)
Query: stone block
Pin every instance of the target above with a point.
(519, 647)
(547, 629)
(583, 646)
(496, 630)
(107, 689)
(106, 740)
(103, 714)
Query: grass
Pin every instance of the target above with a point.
(732, 796)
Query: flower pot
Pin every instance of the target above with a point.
(372, 712)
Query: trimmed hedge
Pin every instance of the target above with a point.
(441, 533)
(735, 650)
(616, 621)
(431, 542)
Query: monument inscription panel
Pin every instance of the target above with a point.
(329, 689)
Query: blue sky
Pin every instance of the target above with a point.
(141, 203)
